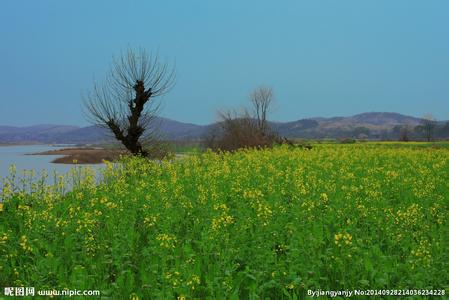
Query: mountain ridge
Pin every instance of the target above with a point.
(370, 125)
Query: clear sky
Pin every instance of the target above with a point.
(322, 58)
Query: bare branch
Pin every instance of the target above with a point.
(428, 124)
(261, 100)
(125, 102)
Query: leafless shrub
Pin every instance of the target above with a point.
(245, 129)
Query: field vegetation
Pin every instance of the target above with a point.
(267, 223)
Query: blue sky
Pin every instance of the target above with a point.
(322, 58)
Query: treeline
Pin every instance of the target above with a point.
(437, 131)
(398, 133)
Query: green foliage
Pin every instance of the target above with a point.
(253, 224)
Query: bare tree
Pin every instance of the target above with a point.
(125, 102)
(261, 100)
(246, 129)
(404, 133)
(428, 124)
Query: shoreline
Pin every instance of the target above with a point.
(79, 155)
(20, 144)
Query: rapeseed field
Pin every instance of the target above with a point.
(268, 223)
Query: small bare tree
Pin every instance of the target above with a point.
(125, 102)
(428, 124)
(246, 129)
(404, 133)
(261, 100)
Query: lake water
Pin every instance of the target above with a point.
(16, 155)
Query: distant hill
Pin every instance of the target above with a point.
(385, 119)
(37, 133)
(62, 134)
(174, 130)
(372, 125)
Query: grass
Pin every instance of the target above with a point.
(438, 144)
(185, 147)
(268, 224)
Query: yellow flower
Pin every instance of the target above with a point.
(133, 296)
(24, 243)
(166, 240)
(341, 238)
(194, 281)
(324, 197)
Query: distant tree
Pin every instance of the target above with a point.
(428, 124)
(404, 133)
(261, 100)
(361, 132)
(445, 130)
(125, 102)
(442, 130)
(446, 126)
(246, 129)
